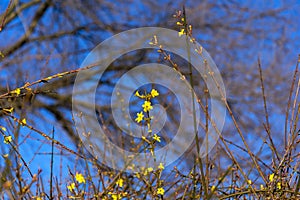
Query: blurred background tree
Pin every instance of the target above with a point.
(43, 38)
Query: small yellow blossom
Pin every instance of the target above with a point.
(156, 137)
(213, 188)
(154, 93)
(115, 196)
(147, 106)
(79, 178)
(261, 187)
(279, 185)
(161, 166)
(138, 95)
(16, 91)
(23, 122)
(271, 177)
(161, 191)
(7, 139)
(150, 169)
(249, 182)
(181, 32)
(38, 198)
(120, 182)
(137, 175)
(139, 117)
(3, 128)
(153, 40)
(179, 23)
(71, 187)
(10, 110)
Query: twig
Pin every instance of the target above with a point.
(5, 15)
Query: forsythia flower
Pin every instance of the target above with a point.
(7, 139)
(213, 188)
(156, 137)
(271, 177)
(3, 128)
(23, 122)
(120, 182)
(79, 178)
(147, 106)
(150, 169)
(116, 196)
(262, 187)
(154, 93)
(181, 32)
(249, 182)
(16, 91)
(161, 191)
(71, 187)
(138, 95)
(8, 110)
(161, 166)
(139, 117)
(279, 185)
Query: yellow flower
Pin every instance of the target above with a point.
(139, 117)
(279, 185)
(16, 91)
(213, 188)
(120, 182)
(262, 187)
(79, 178)
(153, 40)
(181, 32)
(271, 177)
(161, 166)
(116, 196)
(147, 106)
(138, 95)
(150, 169)
(71, 187)
(136, 174)
(7, 139)
(154, 93)
(3, 128)
(249, 182)
(8, 110)
(156, 137)
(161, 191)
(23, 122)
